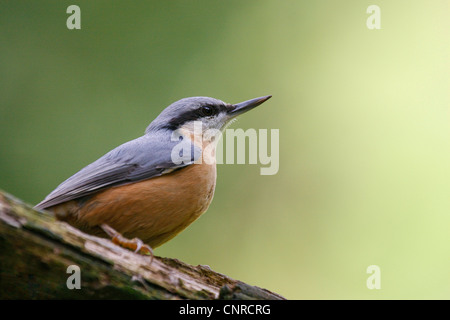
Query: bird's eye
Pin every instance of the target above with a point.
(207, 111)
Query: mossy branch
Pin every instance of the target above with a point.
(36, 250)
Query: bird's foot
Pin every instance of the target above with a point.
(136, 245)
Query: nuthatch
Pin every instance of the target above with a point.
(137, 190)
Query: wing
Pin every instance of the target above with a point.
(139, 159)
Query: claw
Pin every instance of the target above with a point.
(136, 245)
(146, 251)
(139, 243)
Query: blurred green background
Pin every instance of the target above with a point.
(363, 117)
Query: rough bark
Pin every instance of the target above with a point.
(36, 250)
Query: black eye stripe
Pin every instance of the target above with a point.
(195, 114)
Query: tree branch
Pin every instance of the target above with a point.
(36, 249)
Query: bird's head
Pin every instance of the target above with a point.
(188, 113)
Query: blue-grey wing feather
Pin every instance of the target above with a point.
(136, 160)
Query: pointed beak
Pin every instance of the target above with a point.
(246, 106)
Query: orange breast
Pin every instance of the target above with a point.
(153, 210)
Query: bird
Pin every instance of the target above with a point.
(151, 188)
